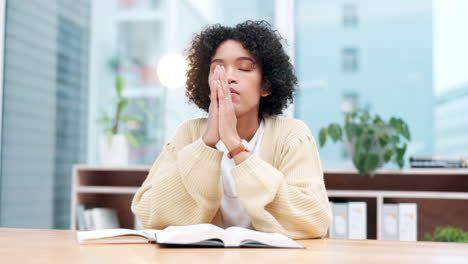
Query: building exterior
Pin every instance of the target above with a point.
(373, 54)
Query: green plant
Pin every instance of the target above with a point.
(112, 125)
(448, 234)
(371, 140)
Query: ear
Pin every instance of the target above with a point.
(265, 89)
(265, 93)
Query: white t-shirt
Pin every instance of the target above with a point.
(232, 211)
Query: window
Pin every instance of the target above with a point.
(141, 32)
(350, 17)
(350, 59)
(44, 114)
(401, 44)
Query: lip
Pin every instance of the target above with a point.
(233, 90)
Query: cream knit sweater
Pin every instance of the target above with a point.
(282, 190)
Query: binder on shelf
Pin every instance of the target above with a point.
(88, 217)
(407, 222)
(330, 228)
(340, 221)
(137, 223)
(105, 218)
(357, 220)
(96, 218)
(390, 222)
(80, 217)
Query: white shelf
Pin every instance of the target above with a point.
(409, 171)
(381, 195)
(398, 194)
(106, 189)
(144, 168)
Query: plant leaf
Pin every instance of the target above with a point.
(323, 136)
(364, 116)
(405, 131)
(367, 142)
(119, 84)
(132, 140)
(384, 140)
(353, 131)
(335, 132)
(448, 234)
(378, 121)
(395, 139)
(372, 162)
(400, 155)
(129, 118)
(121, 105)
(144, 108)
(388, 155)
(396, 124)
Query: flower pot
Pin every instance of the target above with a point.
(116, 153)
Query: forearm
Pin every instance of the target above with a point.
(182, 188)
(290, 199)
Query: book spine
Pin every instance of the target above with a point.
(390, 222)
(357, 220)
(407, 222)
(330, 228)
(437, 164)
(435, 158)
(340, 220)
(137, 224)
(80, 217)
(105, 218)
(438, 161)
(88, 215)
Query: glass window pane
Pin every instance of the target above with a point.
(138, 34)
(45, 110)
(386, 64)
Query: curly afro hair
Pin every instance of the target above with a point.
(263, 43)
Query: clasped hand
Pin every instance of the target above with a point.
(222, 120)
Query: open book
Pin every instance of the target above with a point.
(194, 235)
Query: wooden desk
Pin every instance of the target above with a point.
(60, 246)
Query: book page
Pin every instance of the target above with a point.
(106, 235)
(200, 234)
(250, 238)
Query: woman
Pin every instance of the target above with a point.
(241, 166)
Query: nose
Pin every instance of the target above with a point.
(230, 75)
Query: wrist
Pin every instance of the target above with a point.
(241, 157)
(233, 143)
(208, 142)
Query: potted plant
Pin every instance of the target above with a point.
(448, 234)
(371, 141)
(114, 144)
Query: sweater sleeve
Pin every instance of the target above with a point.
(292, 199)
(182, 187)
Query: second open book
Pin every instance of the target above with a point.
(196, 235)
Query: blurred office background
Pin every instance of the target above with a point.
(61, 57)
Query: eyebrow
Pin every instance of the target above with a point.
(238, 59)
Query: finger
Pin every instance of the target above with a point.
(226, 88)
(213, 84)
(214, 100)
(216, 74)
(221, 96)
